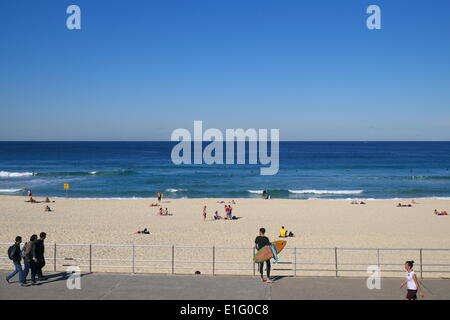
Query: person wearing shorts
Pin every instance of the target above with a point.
(260, 242)
(412, 284)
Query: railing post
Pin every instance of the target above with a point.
(295, 262)
(133, 257)
(254, 264)
(421, 264)
(214, 260)
(335, 261)
(90, 258)
(54, 257)
(173, 259)
(378, 257)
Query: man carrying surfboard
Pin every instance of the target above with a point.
(260, 242)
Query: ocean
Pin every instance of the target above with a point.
(308, 170)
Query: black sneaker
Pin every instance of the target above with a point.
(7, 280)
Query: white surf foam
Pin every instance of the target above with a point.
(9, 190)
(256, 191)
(326, 191)
(174, 190)
(6, 174)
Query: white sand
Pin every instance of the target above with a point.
(316, 223)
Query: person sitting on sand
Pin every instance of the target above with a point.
(160, 212)
(166, 212)
(47, 209)
(283, 232)
(354, 202)
(362, 202)
(47, 200)
(216, 215)
(145, 231)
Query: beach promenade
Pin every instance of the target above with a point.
(102, 286)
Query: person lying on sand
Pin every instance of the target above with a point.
(145, 231)
(32, 200)
(154, 205)
(404, 205)
(443, 213)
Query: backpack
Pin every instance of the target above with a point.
(11, 251)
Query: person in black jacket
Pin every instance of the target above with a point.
(14, 254)
(39, 254)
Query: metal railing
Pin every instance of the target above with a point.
(299, 261)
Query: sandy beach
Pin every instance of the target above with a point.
(315, 223)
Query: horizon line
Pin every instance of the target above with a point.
(365, 141)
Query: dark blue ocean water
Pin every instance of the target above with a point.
(307, 170)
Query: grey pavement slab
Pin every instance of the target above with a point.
(97, 286)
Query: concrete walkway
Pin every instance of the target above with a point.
(179, 287)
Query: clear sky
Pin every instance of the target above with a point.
(139, 69)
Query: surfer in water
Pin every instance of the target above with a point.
(260, 242)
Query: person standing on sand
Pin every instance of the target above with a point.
(204, 213)
(412, 284)
(260, 242)
(39, 254)
(15, 255)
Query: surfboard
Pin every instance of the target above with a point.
(265, 253)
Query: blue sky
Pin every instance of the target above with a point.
(139, 69)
